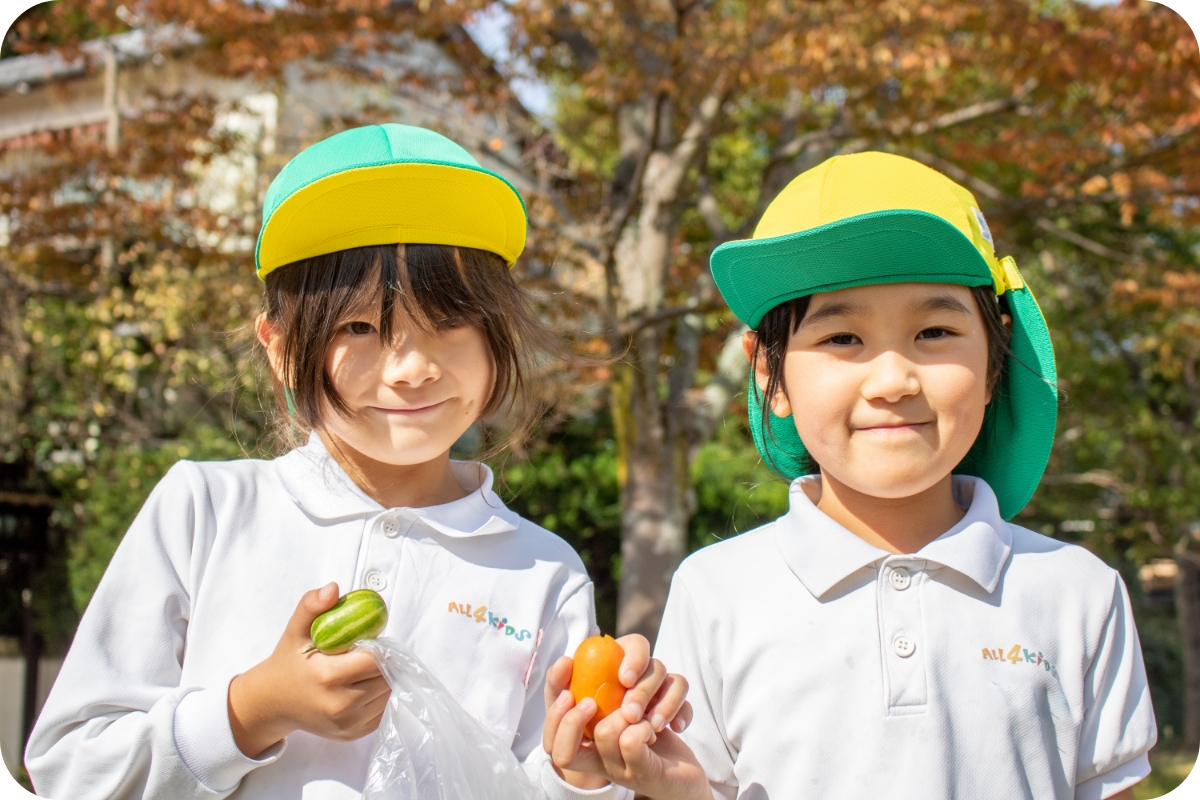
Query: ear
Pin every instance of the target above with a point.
(271, 338)
(780, 406)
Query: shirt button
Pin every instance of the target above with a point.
(904, 646)
(376, 581)
(899, 578)
(389, 526)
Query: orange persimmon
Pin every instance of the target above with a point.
(595, 675)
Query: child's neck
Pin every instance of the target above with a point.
(398, 486)
(898, 525)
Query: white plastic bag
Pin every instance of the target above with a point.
(428, 747)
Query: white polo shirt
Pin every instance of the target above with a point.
(203, 584)
(993, 662)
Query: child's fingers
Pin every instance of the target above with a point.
(637, 699)
(373, 724)
(371, 690)
(608, 743)
(311, 605)
(558, 677)
(634, 744)
(344, 669)
(666, 703)
(683, 718)
(636, 660)
(375, 708)
(569, 736)
(369, 717)
(555, 711)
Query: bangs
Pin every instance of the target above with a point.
(432, 287)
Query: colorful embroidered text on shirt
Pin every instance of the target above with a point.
(481, 614)
(1020, 655)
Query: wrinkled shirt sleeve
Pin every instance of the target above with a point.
(682, 646)
(115, 720)
(1118, 725)
(574, 621)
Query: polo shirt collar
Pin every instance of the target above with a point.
(822, 553)
(316, 483)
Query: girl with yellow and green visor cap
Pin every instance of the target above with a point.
(893, 634)
(392, 323)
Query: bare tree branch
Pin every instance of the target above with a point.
(1090, 245)
(696, 132)
(618, 223)
(969, 113)
(638, 322)
(992, 193)
(1095, 477)
(710, 211)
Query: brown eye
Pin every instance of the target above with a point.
(933, 333)
(360, 328)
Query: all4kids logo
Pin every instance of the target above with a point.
(482, 614)
(1020, 655)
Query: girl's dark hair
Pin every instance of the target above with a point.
(783, 320)
(311, 299)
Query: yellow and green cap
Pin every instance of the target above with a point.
(877, 218)
(386, 184)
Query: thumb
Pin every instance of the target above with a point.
(311, 605)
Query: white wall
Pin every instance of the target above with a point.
(12, 701)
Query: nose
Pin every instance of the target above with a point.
(891, 378)
(410, 363)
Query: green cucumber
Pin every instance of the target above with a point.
(360, 614)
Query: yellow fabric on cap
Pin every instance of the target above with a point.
(439, 204)
(864, 183)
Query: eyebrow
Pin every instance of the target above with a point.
(843, 308)
(941, 302)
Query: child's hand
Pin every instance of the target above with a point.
(659, 765)
(339, 697)
(652, 695)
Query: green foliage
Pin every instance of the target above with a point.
(1167, 770)
(568, 485)
(37, 28)
(1158, 631)
(108, 494)
(735, 491)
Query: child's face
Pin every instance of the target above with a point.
(410, 401)
(888, 384)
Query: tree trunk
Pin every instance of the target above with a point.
(1187, 605)
(654, 491)
(31, 649)
(649, 404)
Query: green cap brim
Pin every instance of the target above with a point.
(755, 275)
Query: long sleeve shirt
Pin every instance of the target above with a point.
(201, 588)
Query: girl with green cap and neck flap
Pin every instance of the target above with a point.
(391, 323)
(893, 634)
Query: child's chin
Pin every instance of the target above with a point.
(896, 482)
(398, 450)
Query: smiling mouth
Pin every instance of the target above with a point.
(886, 430)
(404, 412)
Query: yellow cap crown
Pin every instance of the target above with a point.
(864, 183)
